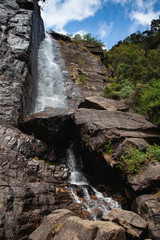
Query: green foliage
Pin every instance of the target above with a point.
(148, 101)
(107, 147)
(83, 78)
(135, 159)
(87, 38)
(134, 70)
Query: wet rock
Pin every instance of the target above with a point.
(52, 125)
(148, 207)
(101, 103)
(63, 224)
(20, 37)
(130, 221)
(147, 179)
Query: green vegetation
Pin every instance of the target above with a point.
(87, 38)
(81, 62)
(135, 159)
(107, 148)
(134, 72)
(83, 78)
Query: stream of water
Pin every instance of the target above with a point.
(50, 89)
(87, 196)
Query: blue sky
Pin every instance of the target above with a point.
(108, 20)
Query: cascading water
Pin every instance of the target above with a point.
(91, 200)
(50, 92)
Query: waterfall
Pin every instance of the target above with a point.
(93, 201)
(50, 89)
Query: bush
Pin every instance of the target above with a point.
(135, 159)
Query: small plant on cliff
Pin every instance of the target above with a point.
(135, 159)
(81, 62)
(83, 78)
(107, 148)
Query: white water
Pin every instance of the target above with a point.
(51, 93)
(93, 204)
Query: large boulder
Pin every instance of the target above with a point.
(147, 179)
(52, 125)
(101, 103)
(131, 221)
(63, 224)
(104, 132)
(148, 207)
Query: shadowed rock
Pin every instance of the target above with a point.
(52, 125)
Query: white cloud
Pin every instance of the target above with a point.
(57, 13)
(143, 13)
(144, 19)
(104, 29)
(80, 32)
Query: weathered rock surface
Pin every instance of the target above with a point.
(148, 207)
(19, 42)
(132, 222)
(101, 103)
(102, 126)
(63, 224)
(84, 61)
(27, 190)
(52, 125)
(147, 179)
(98, 127)
(28, 187)
(14, 140)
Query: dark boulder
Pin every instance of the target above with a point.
(53, 125)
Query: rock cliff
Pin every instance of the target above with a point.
(21, 31)
(85, 63)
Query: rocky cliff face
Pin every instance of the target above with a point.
(85, 63)
(18, 56)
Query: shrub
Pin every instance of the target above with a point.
(135, 159)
